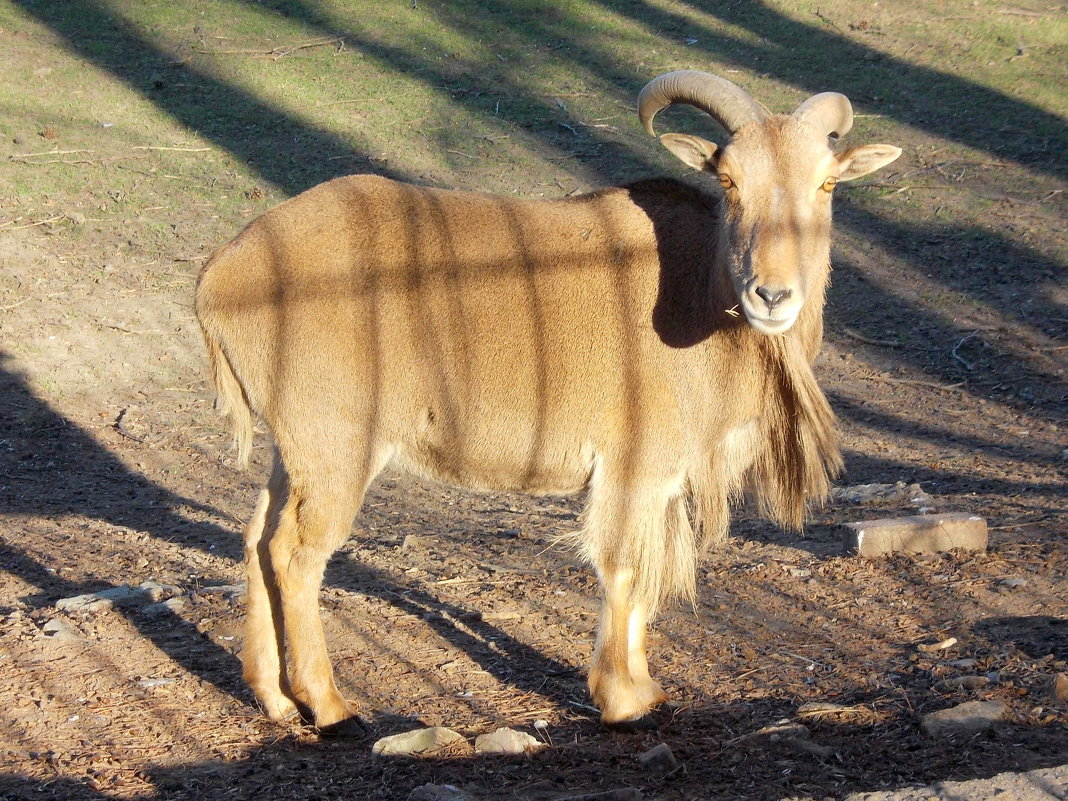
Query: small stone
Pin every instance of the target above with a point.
(1013, 583)
(439, 792)
(659, 759)
(60, 630)
(963, 683)
(787, 734)
(506, 741)
(230, 591)
(416, 743)
(155, 682)
(967, 718)
(169, 607)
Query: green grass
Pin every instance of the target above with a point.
(227, 106)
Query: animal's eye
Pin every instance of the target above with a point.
(829, 184)
(725, 180)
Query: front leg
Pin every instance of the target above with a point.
(619, 680)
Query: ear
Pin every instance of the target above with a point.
(858, 161)
(692, 151)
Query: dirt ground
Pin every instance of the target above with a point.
(461, 609)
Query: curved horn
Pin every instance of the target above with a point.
(730, 105)
(828, 112)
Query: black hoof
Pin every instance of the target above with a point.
(354, 727)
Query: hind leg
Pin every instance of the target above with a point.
(314, 521)
(263, 651)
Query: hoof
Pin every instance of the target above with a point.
(350, 728)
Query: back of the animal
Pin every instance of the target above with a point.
(479, 340)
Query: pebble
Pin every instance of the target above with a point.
(1013, 583)
(506, 741)
(967, 718)
(659, 759)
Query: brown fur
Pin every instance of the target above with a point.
(543, 346)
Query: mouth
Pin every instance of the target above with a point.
(766, 325)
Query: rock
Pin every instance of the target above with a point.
(1058, 691)
(659, 759)
(967, 718)
(231, 591)
(916, 534)
(60, 630)
(169, 607)
(506, 741)
(1013, 583)
(439, 792)
(123, 595)
(879, 493)
(963, 683)
(790, 735)
(416, 743)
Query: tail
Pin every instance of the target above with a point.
(231, 397)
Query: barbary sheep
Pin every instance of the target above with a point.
(650, 344)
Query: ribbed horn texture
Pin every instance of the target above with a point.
(729, 104)
(828, 112)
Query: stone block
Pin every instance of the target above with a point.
(916, 534)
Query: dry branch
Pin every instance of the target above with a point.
(277, 52)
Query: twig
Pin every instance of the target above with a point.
(52, 152)
(14, 305)
(829, 21)
(916, 382)
(182, 149)
(960, 359)
(277, 52)
(1021, 12)
(884, 342)
(39, 222)
(122, 429)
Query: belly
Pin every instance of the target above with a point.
(500, 458)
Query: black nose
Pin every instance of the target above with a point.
(772, 296)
